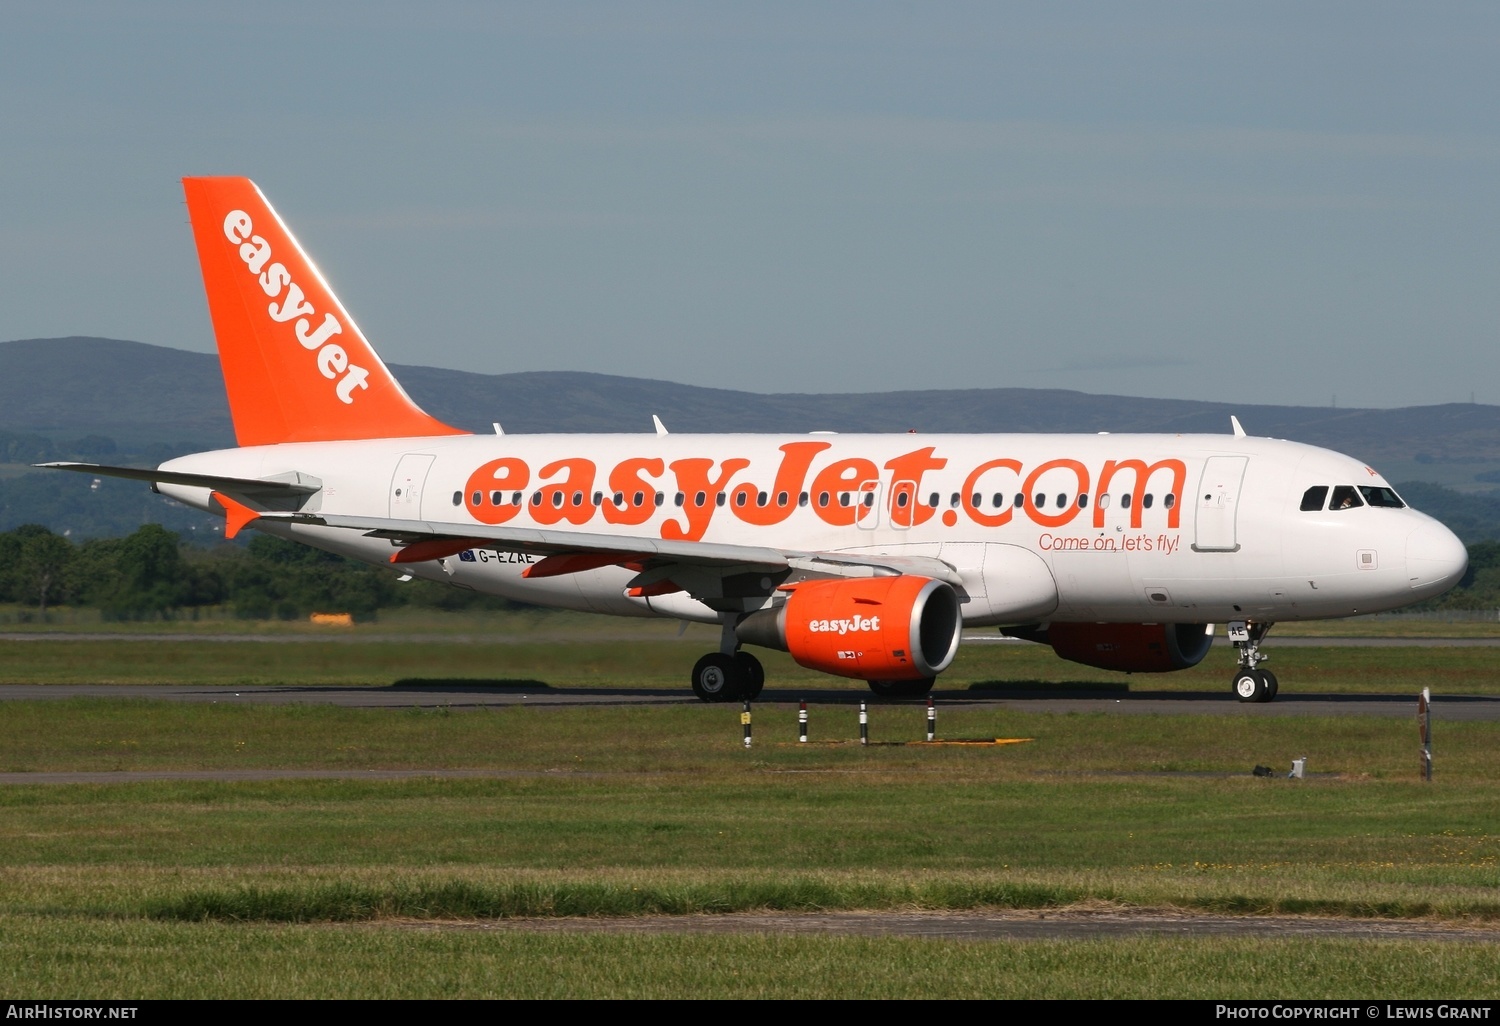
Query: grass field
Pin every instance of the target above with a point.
(311, 887)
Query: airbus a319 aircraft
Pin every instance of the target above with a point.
(861, 555)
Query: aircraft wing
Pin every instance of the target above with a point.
(655, 559)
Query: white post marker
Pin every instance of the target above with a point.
(1424, 728)
(745, 722)
(931, 720)
(864, 725)
(802, 722)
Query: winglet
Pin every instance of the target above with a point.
(236, 514)
(1234, 422)
(661, 428)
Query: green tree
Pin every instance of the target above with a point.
(41, 565)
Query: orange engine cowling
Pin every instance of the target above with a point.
(873, 628)
(1132, 647)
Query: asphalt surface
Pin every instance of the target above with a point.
(534, 693)
(469, 639)
(1019, 925)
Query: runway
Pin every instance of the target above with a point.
(492, 694)
(1271, 642)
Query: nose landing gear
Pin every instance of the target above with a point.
(1250, 683)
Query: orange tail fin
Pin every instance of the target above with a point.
(296, 367)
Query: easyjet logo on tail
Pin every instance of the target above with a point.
(330, 359)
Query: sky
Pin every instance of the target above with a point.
(1259, 202)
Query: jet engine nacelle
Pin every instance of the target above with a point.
(1132, 647)
(872, 628)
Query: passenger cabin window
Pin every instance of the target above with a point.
(1124, 500)
(1375, 495)
(1313, 498)
(1104, 501)
(458, 499)
(1146, 500)
(1169, 500)
(932, 500)
(1041, 500)
(1345, 497)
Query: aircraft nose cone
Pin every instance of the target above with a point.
(1435, 559)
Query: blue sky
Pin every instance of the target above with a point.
(1261, 202)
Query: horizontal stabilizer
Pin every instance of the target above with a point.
(282, 484)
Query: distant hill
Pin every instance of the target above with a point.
(138, 395)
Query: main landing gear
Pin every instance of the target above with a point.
(728, 678)
(1251, 684)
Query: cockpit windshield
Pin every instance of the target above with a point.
(1345, 497)
(1376, 495)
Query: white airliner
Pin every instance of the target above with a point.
(860, 555)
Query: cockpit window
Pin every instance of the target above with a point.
(1313, 498)
(1345, 497)
(1376, 495)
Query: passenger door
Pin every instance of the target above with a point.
(407, 484)
(1218, 503)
